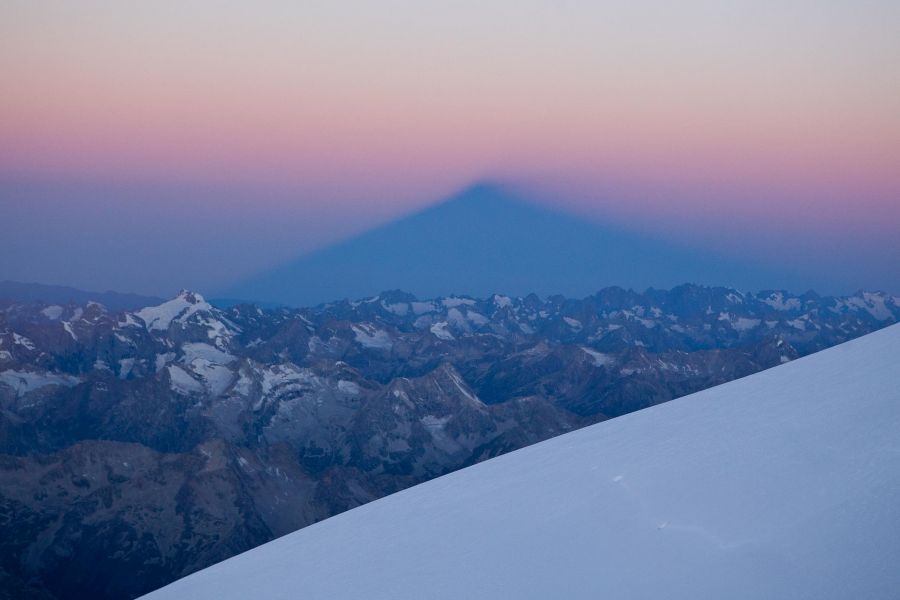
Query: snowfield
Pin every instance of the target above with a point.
(784, 484)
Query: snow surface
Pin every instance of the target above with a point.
(781, 485)
(24, 382)
(399, 308)
(68, 327)
(159, 317)
(217, 378)
(53, 312)
(193, 351)
(600, 359)
(439, 330)
(21, 340)
(208, 363)
(371, 337)
(740, 323)
(461, 386)
(285, 378)
(453, 302)
(163, 359)
(180, 310)
(874, 303)
(502, 301)
(183, 383)
(797, 324)
(477, 319)
(777, 301)
(420, 308)
(125, 367)
(456, 319)
(348, 387)
(573, 323)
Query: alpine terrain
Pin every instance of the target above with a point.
(139, 446)
(782, 485)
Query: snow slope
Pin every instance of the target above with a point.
(785, 484)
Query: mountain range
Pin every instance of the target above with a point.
(17, 291)
(139, 446)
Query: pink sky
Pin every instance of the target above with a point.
(656, 115)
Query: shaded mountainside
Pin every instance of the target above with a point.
(141, 446)
(783, 485)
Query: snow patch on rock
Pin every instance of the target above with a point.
(24, 382)
(369, 336)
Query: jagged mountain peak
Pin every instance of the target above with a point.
(190, 296)
(189, 312)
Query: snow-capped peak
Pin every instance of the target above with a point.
(191, 297)
(179, 309)
(188, 308)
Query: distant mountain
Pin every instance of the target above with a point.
(139, 446)
(782, 485)
(488, 240)
(17, 291)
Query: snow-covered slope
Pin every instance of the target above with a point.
(785, 484)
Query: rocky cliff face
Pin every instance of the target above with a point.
(140, 446)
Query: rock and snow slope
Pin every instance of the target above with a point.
(204, 432)
(784, 484)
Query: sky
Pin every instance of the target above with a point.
(150, 146)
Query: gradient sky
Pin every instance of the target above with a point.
(210, 139)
